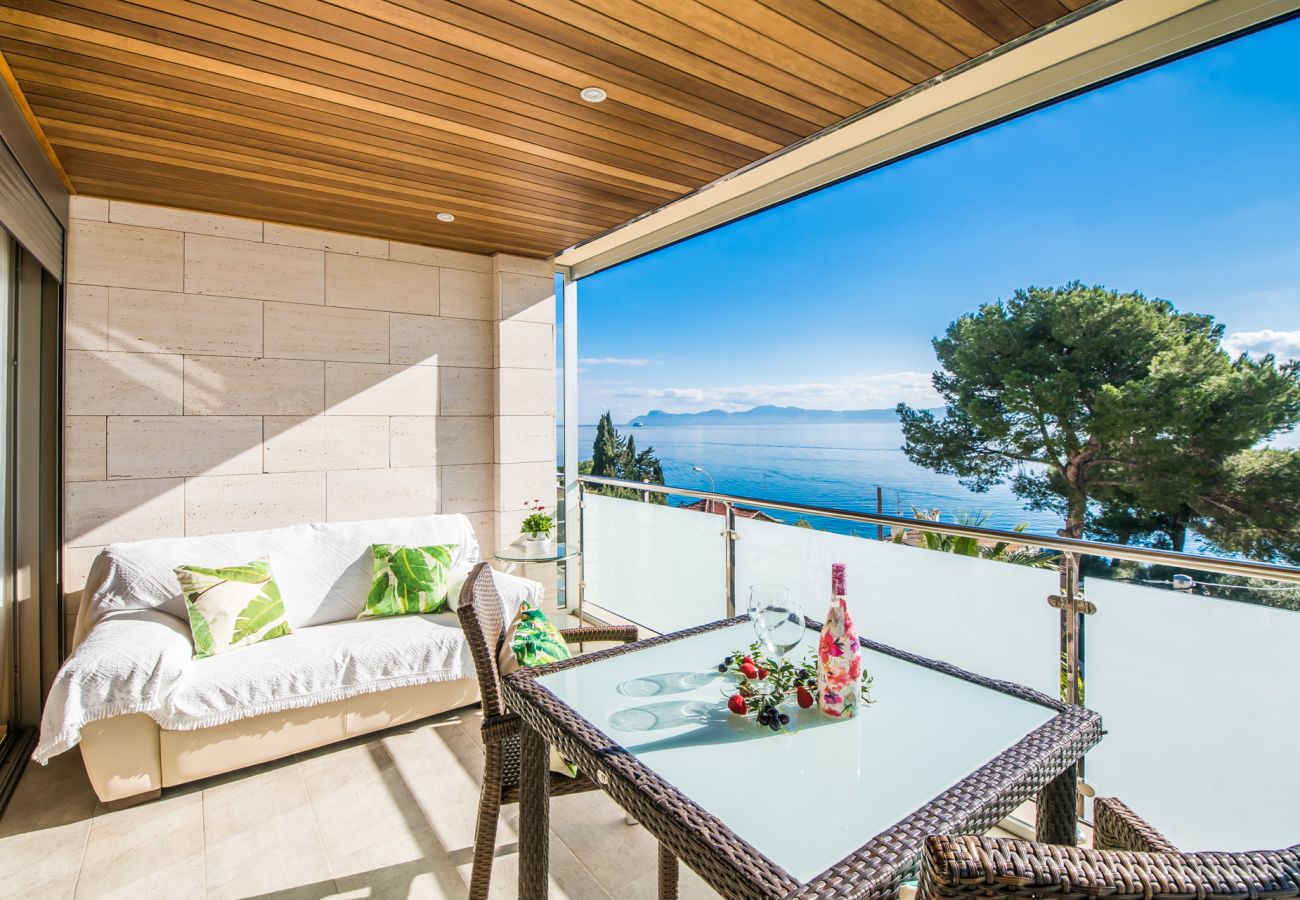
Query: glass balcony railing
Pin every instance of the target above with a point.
(1190, 660)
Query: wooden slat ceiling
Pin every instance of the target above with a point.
(371, 116)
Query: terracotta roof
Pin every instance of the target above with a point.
(719, 508)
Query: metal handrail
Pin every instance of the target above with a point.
(1241, 567)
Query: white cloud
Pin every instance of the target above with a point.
(864, 392)
(617, 361)
(1282, 344)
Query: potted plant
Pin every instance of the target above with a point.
(536, 529)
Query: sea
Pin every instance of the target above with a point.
(839, 466)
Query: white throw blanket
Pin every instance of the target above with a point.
(134, 652)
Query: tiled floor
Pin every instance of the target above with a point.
(391, 815)
(387, 816)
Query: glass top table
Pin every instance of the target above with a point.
(514, 553)
(815, 795)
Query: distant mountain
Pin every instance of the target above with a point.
(767, 415)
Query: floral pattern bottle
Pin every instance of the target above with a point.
(839, 654)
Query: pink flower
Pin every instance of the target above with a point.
(830, 646)
(855, 668)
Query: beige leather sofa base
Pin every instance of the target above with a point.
(130, 756)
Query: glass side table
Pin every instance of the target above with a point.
(516, 555)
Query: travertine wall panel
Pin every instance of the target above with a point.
(227, 374)
(295, 331)
(231, 268)
(85, 317)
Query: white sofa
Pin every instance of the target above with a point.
(148, 715)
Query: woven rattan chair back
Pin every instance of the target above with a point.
(1133, 860)
(482, 620)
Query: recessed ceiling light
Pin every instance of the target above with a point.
(593, 94)
(446, 217)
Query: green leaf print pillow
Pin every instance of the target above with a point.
(408, 580)
(232, 607)
(532, 640)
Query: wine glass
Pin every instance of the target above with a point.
(777, 618)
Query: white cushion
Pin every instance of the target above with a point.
(513, 591)
(324, 570)
(317, 665)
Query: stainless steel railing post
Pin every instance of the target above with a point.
(581, 558)
(729, 546)
(1070, 603)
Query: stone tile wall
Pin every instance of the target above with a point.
(226, 374)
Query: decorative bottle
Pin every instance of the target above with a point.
(839, 655)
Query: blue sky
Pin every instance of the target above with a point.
(1182, 183)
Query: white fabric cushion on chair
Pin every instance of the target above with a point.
(324, 571)
(513, 591)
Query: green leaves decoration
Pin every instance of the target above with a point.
(232, 606)
(263, 611)
(408, 580)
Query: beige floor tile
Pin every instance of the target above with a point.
(50, 796)
(43, 831)
(260, 837)
(442, 768)
(594, 829)
(151, 850)
(569, 878)
(43, 862)
(471, 722)
(624, 858)
(645, 886)
(374, 831)
(411, 879)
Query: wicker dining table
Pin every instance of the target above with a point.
(824, 808)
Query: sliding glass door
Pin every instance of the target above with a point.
(8, 637)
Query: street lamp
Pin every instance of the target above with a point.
(713, 487)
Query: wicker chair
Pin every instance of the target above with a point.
(1132, 859)
(481, 619)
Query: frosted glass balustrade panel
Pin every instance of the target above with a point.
(659, 566)
(991, 618)
(1199, 702)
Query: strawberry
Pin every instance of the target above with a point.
(748, 670)
(749, 660)
(804, 696)
(736, 704)
(762, 673)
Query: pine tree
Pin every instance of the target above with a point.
(613, 456)
(1082, 396)
(607, 451)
